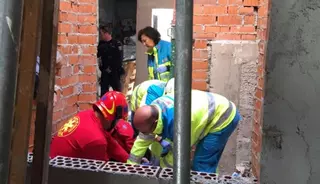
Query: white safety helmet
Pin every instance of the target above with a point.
(169, 87)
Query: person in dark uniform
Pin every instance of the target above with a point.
(110, 52)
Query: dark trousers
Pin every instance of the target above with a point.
(111, 79)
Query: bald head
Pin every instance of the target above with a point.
(145, 118)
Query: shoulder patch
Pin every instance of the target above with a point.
(69, 127)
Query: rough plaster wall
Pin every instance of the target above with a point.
(144, 9)
(233, 74)
(290, 147)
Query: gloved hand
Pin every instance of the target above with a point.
(166, 147)
(161, 69)
(145, 161)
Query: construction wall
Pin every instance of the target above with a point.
(226, 58)
(77, 42)
(290, 143)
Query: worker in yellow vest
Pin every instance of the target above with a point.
(213, 120)
(144, 94)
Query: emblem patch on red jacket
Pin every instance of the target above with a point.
(69, 127)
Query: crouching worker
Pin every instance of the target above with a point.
(144, 94)
(213, 119)
(87, 134)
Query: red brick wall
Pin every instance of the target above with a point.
(77, 39)
(220, 20)
(263, 31)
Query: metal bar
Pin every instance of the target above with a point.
(25, 89)
(48, 51)
(10, 29)
(183, 77)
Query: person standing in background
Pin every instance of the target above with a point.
(110, 52)
(159, 54)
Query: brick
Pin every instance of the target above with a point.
(69, 80)
(87, 78)
(87, 39)
(73, 59)
(200, 85)
(200, 54)
(70, 110)
(235, 2)
(212, 29)
(89, 88)
(222, 2)
(229, 20)
(89, 19)
(64, 28)
(57, 115)
(251, 2)
(65, 6)
(204, 35)
(85, 106)
(248, 37)
(259, 93)
(233, 10)
(260, 83)
(200, 65)
(68, 91)
(197, 9)
(89, 69)
(89, 49)
(263, 34)
(88, 8)
(243, 29)
(72, 39)
(62, 39)
(198, 28)
(215, 10)
(87, 1)
(260, 70)
(225, 29)
(66, 71)
(246, 11)
(88, 29)
(204, 2)
(200, 44)
(199, 75)
(86, 98)
(249, 19)
(87, 60)
(70, 101)
(204, 19)
(262, 23)
(68, 17)
(258, 104)
(228, 36)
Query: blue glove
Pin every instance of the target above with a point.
(162, 69)
(146, 163)
(166, 147)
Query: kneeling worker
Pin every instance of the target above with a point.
(87, 134)
(213, 120)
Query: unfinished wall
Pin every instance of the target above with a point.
(77, 42)
(230, 30)
(233, 74)
(290, 144)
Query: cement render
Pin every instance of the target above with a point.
(291, 139)
(233, 69)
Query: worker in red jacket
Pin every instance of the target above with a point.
(89, 134)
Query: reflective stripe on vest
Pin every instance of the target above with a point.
(145, 137)
(134, 158)
(211, 111)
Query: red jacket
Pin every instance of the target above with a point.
(83, 137)
(123, 134)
